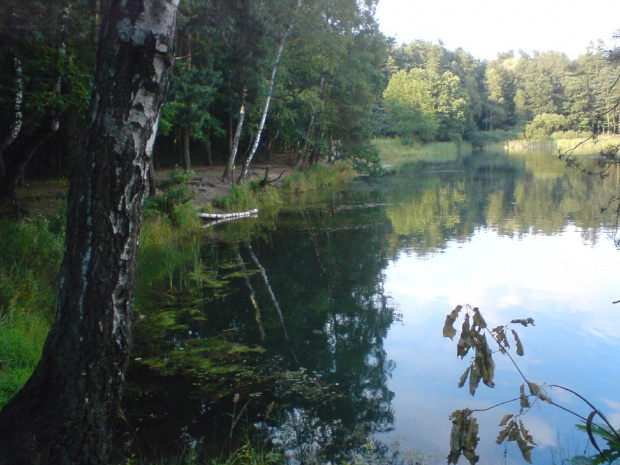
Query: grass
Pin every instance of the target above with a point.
(577, 143)
(247, 453)
(395, 153)
(251, 195)
(29, 262)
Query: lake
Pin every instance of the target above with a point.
(321, 328)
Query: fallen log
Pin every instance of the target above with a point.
(228, 216)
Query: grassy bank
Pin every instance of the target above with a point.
(29, 261)
(270, 198)
(394, 153)
(577, 145)
(32, 251)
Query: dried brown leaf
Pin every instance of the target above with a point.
(524, 400)
(524, 321)
(463, 377)
(448, 329)
(520, 350)
(478, 320)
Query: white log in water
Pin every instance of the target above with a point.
(228, 216)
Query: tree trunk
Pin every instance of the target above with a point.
(229, 172)
(274, 69)
(14, 174)
(66, 411)
(187, 162)
(209, 153)
(16, 125)
(302, 159)
(15, 171)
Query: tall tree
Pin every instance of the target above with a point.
(271, 84)
(65, 412)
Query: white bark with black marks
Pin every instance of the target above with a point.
(66, 411)
(272, 81)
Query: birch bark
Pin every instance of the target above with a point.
(66, 411)
(272, 81)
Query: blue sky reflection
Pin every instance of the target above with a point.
(566, 283)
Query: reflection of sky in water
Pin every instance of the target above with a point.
(565, 283)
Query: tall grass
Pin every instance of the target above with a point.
(578, 144)
(251, 195)
(29, 262)
(395, 153)
(318, 177)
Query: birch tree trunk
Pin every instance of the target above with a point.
(272, 81)
(14, 174)
(229, 172)
(66, 411)
(16, 125)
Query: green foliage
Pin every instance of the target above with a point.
(611, 453)
(174, 201)
(29, 262)
(425, 105)
(409, 105)
(544, 125)
(249, 454)
(192, 91)
(239, 198)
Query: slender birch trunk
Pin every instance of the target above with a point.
(14, 173)
(274, 69)
(229, 172)
(16, 125)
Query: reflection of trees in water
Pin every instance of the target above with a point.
(524, 194)
(338, 322)
(299, 323)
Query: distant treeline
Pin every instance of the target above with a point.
(318, 73)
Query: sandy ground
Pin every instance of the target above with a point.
(45, 197)
(208, 183)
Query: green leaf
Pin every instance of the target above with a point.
(463, 437)
(463, 378)
(503, 434)
(500, 337)
(537, 391)
(474, 379)
(484, 362)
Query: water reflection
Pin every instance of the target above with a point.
(327, 321)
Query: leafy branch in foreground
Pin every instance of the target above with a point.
(464, 436)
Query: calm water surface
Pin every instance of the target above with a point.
(327, 320)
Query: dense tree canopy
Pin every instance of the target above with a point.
(532, 96)
(337, 82)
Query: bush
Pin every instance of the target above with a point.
(174, 201)
(542, 126)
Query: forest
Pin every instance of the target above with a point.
(314, 78)
(87, 85)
